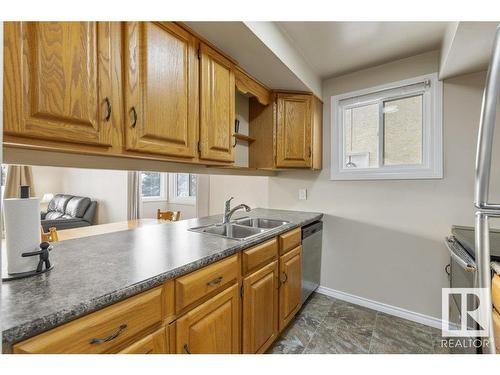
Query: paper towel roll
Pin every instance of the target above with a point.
(22, 232)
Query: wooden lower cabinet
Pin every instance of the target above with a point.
(104, 331)
(260, 309)
(290, 295)
(211, 328)
(156, 343)
(204, 312)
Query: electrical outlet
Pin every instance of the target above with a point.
(303, 194)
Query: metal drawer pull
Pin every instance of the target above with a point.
(134, 114)
(108, 104)
(286, 278)
(110, 337)
(215, 281)
(186, 349)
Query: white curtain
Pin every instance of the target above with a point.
(17, 176)
(134, 195)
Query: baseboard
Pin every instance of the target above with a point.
(382, 307)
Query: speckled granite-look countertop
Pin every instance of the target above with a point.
(93, 272)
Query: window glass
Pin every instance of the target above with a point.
(182, 185)
(392, 131)
(185, 185)
(361, 136)
(192, 185)
(403, 131)
(151, 184)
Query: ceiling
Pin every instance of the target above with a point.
(335, 48)
(239, 42)
(299, 55)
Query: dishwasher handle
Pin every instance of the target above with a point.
(460, 255)
(310, 229)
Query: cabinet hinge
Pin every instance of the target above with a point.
(241, 291)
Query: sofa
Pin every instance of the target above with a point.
(66, 211)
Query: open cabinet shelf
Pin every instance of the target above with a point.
(243, 137)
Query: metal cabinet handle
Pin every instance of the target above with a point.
(286, 278)
(215, 281)
(108, 104)
(110, 337)
(310, 152)
(447, 269)
(134, 114)
(186, 349)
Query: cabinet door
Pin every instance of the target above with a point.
(161, 86)
(57, 81)
(156, 343)
(213, 327)
(293, 131)
(260, 309)
(290, 293)
(217, 100)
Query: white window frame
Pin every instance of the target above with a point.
(163, 190)
(432, 133)
(172, 192)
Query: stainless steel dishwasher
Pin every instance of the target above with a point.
(311, 257)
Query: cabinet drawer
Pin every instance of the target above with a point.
(290, 240)
(259, 255)
(102, 331)
(198, 284)
(495, 291)
(155, 343)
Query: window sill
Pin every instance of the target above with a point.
(183, 202)
(145, 200)
(397, 174)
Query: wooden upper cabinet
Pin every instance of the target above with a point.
(260, 309)
(290, 294)
(57, 81)
(293, 131)
(213, 327)
(161, 89)
(217, 106)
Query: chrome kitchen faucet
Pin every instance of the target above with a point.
(228, 212)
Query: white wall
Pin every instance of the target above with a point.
(383, 240)
(107, 187)
(149, 209)
(47, 180)
(250, 190)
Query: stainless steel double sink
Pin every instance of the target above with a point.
(241, 229)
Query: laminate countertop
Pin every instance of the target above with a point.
(93, 272)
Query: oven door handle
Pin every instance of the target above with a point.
(460, 255)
